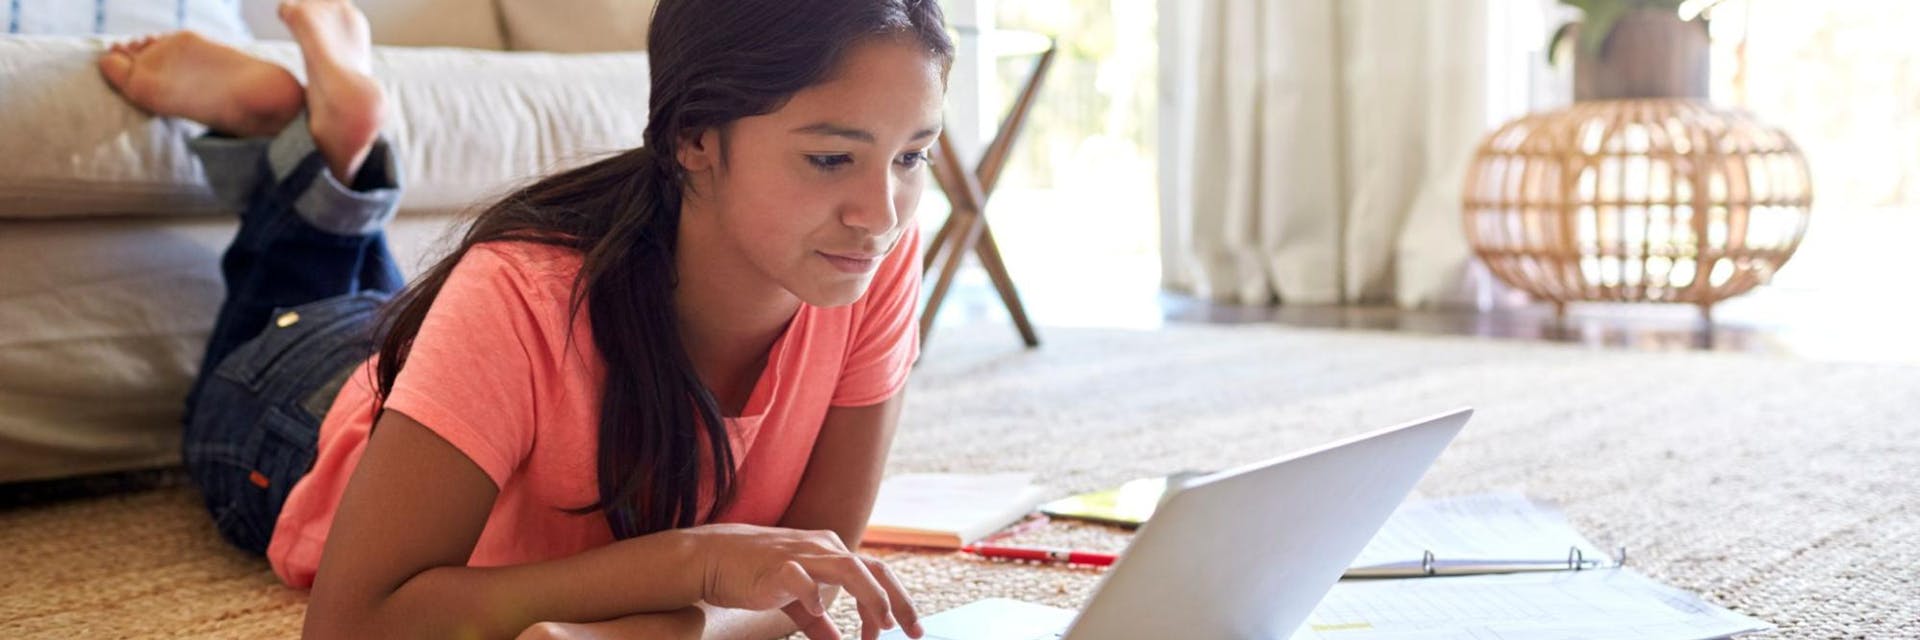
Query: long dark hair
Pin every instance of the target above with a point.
(712, 62)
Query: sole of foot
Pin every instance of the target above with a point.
(185, 75)
(344, 104)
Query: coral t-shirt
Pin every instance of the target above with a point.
(493, 373)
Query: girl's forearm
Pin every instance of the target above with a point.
(701, 622)
(639, 575)
(741, 624)
(670, 625)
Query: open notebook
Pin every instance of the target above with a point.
(948, 511)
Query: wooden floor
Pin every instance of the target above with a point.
(1682, 330)
(1814, 325)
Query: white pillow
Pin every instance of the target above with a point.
(577, 26)
(216, 19)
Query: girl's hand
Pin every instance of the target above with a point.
(761, 568)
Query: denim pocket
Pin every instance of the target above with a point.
(246, 479)
(252, 434)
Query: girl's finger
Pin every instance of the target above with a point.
(812, 626)
(851, 574)
(903, 610)
(795, 582)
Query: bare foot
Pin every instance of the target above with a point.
(343, 102)
(184, 75)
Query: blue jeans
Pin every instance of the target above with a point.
(298, 316)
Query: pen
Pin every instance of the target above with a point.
(1042, 555)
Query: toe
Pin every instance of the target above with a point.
(117, 67)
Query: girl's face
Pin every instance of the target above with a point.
(813, 195)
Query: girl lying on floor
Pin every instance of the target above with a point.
(646, 397)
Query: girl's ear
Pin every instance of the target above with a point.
(699, 153)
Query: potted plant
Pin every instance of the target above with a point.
(1636, 48)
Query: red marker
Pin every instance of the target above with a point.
(1042, 555)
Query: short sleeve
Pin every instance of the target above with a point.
(885, 336)
(470, 375)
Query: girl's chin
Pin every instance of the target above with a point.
(834, 292)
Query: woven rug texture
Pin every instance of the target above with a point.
(1784, 489)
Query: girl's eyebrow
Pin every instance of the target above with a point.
(851, 133)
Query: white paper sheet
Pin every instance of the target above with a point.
(1606, 604)
(1487, 528)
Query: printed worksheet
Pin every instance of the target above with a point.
(1606, 604)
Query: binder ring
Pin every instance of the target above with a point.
(1426, 562)
(1575, 559)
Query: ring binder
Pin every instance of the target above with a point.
(1430, 565)
(1480, 534)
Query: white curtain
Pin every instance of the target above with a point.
(1312, 150)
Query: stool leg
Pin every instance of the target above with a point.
(970, 226)
(938, 243)
(990, 258)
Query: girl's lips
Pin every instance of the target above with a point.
(851, 264)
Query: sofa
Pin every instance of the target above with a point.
(110, 238)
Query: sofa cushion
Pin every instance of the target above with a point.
(102, 325)
(467, 125)
(471, 24)
(577, 26)
(217, 19)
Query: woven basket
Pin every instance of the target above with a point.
(1658, 200)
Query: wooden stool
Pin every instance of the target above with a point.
(965, 230)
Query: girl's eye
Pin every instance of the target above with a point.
(915, 158)
(829, 162)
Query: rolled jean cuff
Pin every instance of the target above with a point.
(232, 166)
(348, 210)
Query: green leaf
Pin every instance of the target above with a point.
(1598, 19)
(1599, 24)
(1553, 43)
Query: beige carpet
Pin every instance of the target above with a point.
(1787, 490)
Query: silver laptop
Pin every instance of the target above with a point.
(1243, 554)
